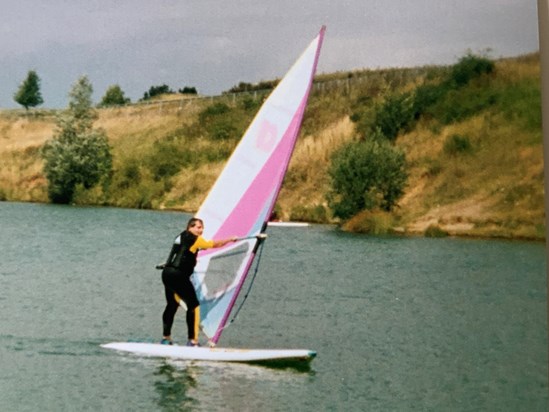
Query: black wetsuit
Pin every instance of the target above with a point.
(176, 277)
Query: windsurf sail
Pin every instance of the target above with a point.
(242, 199)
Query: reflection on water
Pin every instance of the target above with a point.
(296, 366)
(173, 386)
(188, 385)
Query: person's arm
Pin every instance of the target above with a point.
(219, 243)
(202, 243)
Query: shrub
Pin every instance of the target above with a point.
(375, 222)
(448, 101)
(250, 104)
(222, 130)
(313, 214)
(212, 111)
(221, 122)
(366, 175)
(363, 117)
(470, 67)
(456, 144)
(157, 91)
(126, 175)
(393, 115)
(435, 231)
(433, 167)
(114, 96)
(188, 90)
(460, 104)
(426, 96)
(249, 87)
(167, 157)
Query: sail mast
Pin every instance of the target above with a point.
(299, 116)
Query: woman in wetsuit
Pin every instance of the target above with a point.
(176, 277)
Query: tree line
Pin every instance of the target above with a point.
(29, 94)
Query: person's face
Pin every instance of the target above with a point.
(196, 229)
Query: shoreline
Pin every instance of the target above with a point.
(396, 231)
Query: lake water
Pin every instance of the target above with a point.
(399, 324)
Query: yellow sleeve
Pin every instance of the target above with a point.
(201, 243)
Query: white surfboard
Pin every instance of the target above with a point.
(212, 354)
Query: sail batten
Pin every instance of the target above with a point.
(243, 197)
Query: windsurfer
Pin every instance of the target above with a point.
(176, 277)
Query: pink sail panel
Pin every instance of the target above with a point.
(257, 203)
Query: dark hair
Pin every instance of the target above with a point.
(192, 222)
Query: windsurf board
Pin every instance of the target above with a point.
(212, 354)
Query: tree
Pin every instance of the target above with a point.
(77, 154)
(157, 91)
(28, 94)
(114, 96)
(188, 90)
(366, 175)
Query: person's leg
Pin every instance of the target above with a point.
(169, 279)
(193, 323)
(169, 314)
(185, 291)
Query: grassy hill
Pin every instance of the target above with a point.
(474, 156)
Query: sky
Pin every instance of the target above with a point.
(213, 45)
